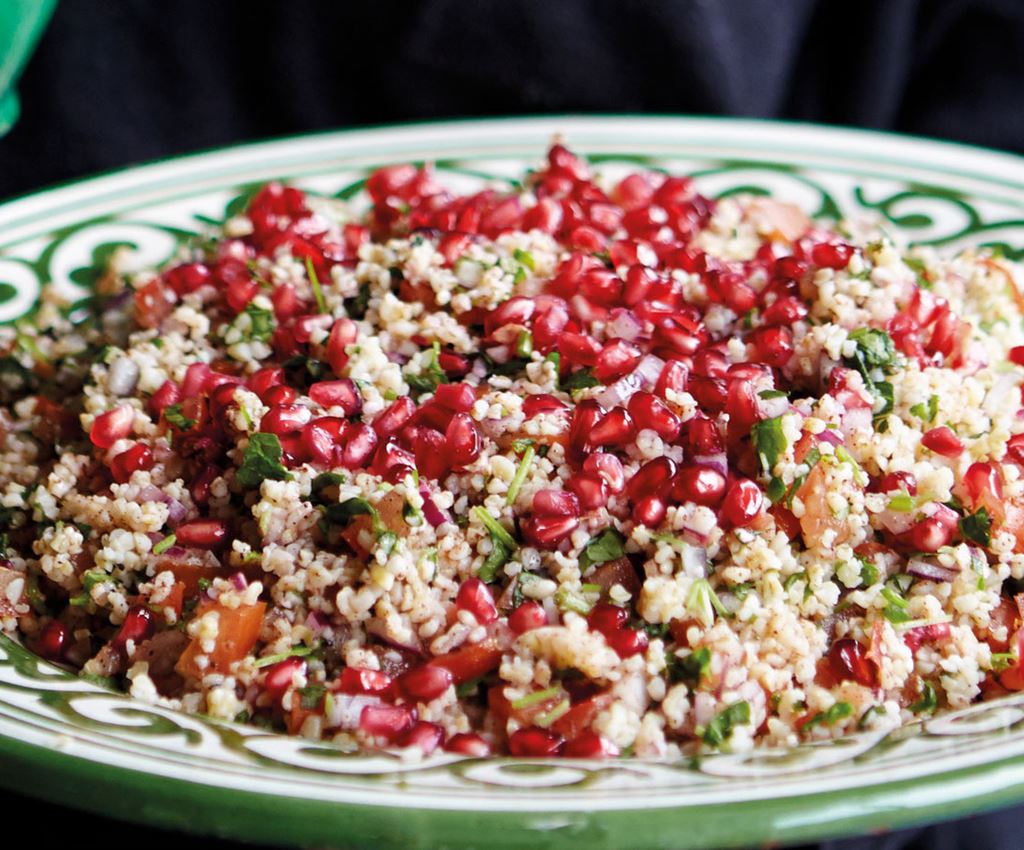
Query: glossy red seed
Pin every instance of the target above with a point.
(773, 345)
(616, 428)
(188, 277)
(555, 503)
(930, 535)
(431, 457)
(468, 744)
(942, 441)
(590, 745)
(578, 349)
(462, 441)
(616, 359)
(651, 479)
(475, 597)
(360, 442)
(534, 405)
(392, 419)
(701, 485)
(278, 395)
(341, 393)
(628, 642)
(453, 365)
(835, 255)
(318, 442)
(639, 280)
(358, 680)
(202, 534)
(528, 616)
(114, 425)
(590, 489)
(284, 419)
(343, 333)
(169, 393)
(386, 721)
(548, 532)
(263, 379)
(609, 468)
(425, 736)
(895, 481)
(743, 502)
(648, 411)
(53, 640)
(848, 660)
(279, 676)
(1016, 355)
(456, 397)
(607, 619)
(129, 461)
(425, 683)
(784, 311)
(983, 483)
(534, 742)
(649, 511)
(674, 375)
(586, 415)
(138, 625)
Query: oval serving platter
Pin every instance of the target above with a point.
(70, 741)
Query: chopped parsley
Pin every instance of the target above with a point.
(896, 611)
(928, 700)
(769, 442)
(300, 651)
(720, 728)
(580, 380)
(432, 375)
(927, 412)
(503, 545)
(691, 669)
(90, 578)
(703, 603)
(162, 546)
(830, 716)
(261, 322)
(524, 258)
(344, 512)
(977, 527)
(311, 697)
(174, 416)
(314, 281)
(521, 472)
(609, 545)
(262, 461)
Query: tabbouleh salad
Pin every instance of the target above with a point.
(589, 468)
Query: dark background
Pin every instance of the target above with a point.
(116, 82)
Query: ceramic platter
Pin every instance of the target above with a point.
(67, 740)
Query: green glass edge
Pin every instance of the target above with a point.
(65, 779)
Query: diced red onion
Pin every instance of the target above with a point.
(123, 377)
(832, 436)
(175, 552)
(239, 581)
(435, 516)
(943, 513)
(346, 709)
(643, 377)
(396, 357)
(897, 522)
(694, 536)
(176, 511)
(695, 561)
(315, 623)
(499, 353)
(624, 324)
(931, 570)
(118, 301)
(378, 628)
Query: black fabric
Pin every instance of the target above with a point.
(121, 81)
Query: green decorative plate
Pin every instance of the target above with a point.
(77, 744)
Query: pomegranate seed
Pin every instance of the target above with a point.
(284, 419)
(357, 680)
(169, 393)
(673, 377)
(286, 302)
(848, 660)
(548, 532)
(651, 479)
(942, 441)
(616, 428)
(699, 484)
(462, 441)
(342, 393)
(202, 533)
(468, 744)
(609, 468)
(124, 464)
(983, 483)
(138, 626)
(602, 287)
(774, 345)
(534, 405)
(578, 349)
(586, 415)
(711, 394)
(832, 255)
(555, 503)
(360, 444)
(475, 597)
(895, 481)
(534, 742)
(114, 425)
(279, 395)
(425, 683)
(279, 676)
(53, 640)
(648, 411)
(591, 490)
(1016, 355)
(528, 616)
(784, 311)
(515, 311)
(343, 333)
(453, 365)
(386, 721)
(392, 419)
(429, 448)
(930, 535)
(628, 642)
(188, 277)
(743, 502)
(426, 736)
(456, 397)
(607, 619)
(791, 268)
(650, 511)
(590, 745)
(616, 359)
(318, 442)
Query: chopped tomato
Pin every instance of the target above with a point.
(390, 509)
(470, 662)
(188, 573)
(818, 517)
(1005, 614)
(1012, 678)
(175, 599)
(238, 630)
(577, 719)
